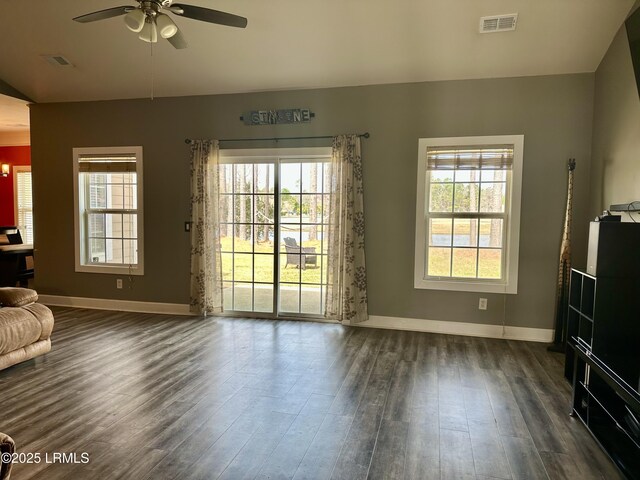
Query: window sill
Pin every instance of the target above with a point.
(466, 286)
(110, 269)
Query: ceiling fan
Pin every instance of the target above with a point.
(148, 19)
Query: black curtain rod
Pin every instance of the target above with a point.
(276, 139)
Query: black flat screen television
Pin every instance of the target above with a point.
(633, 34)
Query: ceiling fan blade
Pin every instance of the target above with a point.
(104, 14)
(208, 15)
(178, 40)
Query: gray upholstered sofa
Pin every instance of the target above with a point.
(25, 326)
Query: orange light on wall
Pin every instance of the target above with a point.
(5, 169)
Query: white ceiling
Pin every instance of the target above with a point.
(293, 44)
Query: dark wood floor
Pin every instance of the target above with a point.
(161, 397)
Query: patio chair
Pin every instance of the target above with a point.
(299, 256)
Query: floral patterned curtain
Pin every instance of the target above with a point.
(206, 262)
(346, 298)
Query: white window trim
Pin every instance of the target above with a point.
(18, 169)
(510, 283)
(80, 244)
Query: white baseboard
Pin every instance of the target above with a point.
(375, 321)
(116, 305)
(459, 328)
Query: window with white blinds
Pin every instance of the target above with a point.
(109, 237)
(468, 213)
(23, 202)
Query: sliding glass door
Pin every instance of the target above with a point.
(247, 230)
(273, 223)
(303, 210)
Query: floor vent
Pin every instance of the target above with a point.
(57, 60)
(498, 23)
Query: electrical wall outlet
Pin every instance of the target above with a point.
(119, 283)
(482, 304)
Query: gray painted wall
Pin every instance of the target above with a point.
(554, 113)
(616, 133)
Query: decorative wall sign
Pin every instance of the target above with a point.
(273, 117)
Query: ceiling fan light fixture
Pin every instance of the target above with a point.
(135, 20)
(166, 26)
(148, 18)
(149, 32)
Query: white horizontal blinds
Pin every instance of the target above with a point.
(495, 157)
(25, 205)
(107, 164)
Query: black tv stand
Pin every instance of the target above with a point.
(609, 408)
(603, 363)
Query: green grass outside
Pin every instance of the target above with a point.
(464, 262)
(263, 271)
(463, 265)
(464, 259)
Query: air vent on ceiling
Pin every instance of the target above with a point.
(57, 60)
(498, 23)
